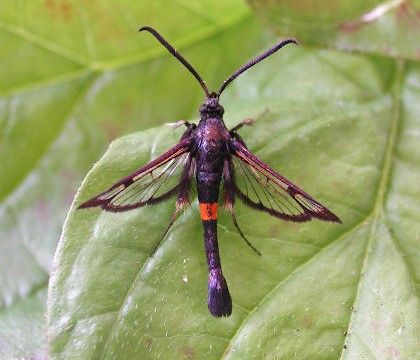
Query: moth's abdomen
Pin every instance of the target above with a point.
(219, 300)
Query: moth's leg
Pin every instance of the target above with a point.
(178, 124)
(229, 197)
(188, 132)
(248, 122)
(183, 201)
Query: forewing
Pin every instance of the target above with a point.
(262, 188)
(154, 182)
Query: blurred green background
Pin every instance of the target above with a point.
(342, 123)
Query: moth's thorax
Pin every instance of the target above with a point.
(211, 150)
(212, 135)
(211, 147)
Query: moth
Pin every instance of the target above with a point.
(212, 156)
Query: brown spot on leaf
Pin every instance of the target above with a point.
(61, 10)
(189, 353)
(307, 322)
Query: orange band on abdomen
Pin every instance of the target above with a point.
(208, 211)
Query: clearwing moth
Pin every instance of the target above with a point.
(213, 156)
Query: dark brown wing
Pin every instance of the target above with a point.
(262, 188)
(154, 182)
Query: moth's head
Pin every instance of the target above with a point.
(212, 108)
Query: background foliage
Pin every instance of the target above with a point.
(343, 125)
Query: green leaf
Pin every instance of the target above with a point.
(75, 75)
(319, 290)
(388, 28)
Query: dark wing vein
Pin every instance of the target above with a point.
(150, 184)
(262, 188)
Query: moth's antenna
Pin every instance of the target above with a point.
(255, 61)
(177, 55)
